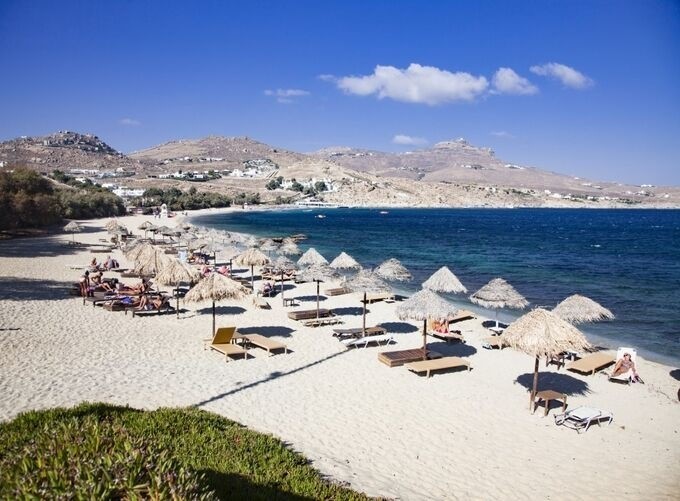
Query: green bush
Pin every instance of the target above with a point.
(97, 451)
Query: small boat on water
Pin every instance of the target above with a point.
(384, 212)
(320, 216)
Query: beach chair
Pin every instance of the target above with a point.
(309, 314)
(461, 315)
(592, 363)
(337, 291)
(624, 378)
(222, 343)
(449, 337)
(363, 342)
(262, 342)
(261, 303)
(357, 332)
(379, 296)
(493, 342)
(581, 418)
(163, 307)
(439, 364)
(401, 357)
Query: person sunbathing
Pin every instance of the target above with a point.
(441, 327)
(148, 303)
(626, 367)
(223, 270)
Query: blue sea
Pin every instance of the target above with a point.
(627, 260)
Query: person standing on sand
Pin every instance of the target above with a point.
(85, 284)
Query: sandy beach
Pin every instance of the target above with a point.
(384, 431)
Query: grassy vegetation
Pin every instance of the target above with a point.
(98, 451)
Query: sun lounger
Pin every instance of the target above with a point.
(401, 357)
(337, 291)
(592, 363)
(379, 296)
(461, 315)
(261, 302)
(357, 332)
(581, 418)
(321, 321)
(309, 314)
(494, 342)
(262, 342)
(449, 337)
(439, 364)
(363, 342)
(625, 377)
(164, 307)
(222, 343)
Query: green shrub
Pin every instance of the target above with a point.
(97, 451)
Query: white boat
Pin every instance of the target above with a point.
(384, 212)
(320, 216)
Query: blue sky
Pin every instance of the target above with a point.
(589, 88)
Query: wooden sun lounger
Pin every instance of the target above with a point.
(379, 296)
(222, 343)
(337, 291)
(461, 315)
(261, 302)
(494, 342)
(592, 363)
(262, 342)
(308, 314)
(321, 321)
(439, 364)
(448, 336)
(401, 357)
(357, 332)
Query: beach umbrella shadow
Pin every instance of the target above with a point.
(399, 327)
(222, 310)
(454, 350)
(675, 373)
(350, 310)
(267, 330)
(29, 289)
(310, 298)
(561, 383)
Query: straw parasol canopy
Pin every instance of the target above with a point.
(230, 252)
(393, 270)
(252, 257)
(366, 281)
(111, 225)
(215, 287)
(499, 294)
(150, 261)
(577, 309)
(310, 257)
(289, 248)
(268, 245)
(280, 265)
(319, 272)
(73, 227)
(145, 226)
(345, 262)
(176, 272)
(443, 280)
(423, 305)
(540, 333)
(133, 252)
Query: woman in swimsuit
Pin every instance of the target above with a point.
(626, 366)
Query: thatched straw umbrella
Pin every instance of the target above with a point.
(577, 309)
(319, 272)
(268, 245)
(215, 287)
(111, 225)
(539, 333)
(230, 252)
(252, 257)
(499, 294)
(310, 257)
(145, 226)
(151, 261)
(424, 305)
(345, 262)
(289, 248)
(74, 228)
(133, 252)
(176, 272)
(281, 264)
(366, 281)
(393, 270)
(443, 280)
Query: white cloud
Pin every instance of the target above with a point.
(506, 81)
(130, 122)
(502, 133)
(415, 84)
(408, 140)
(285, 96)
(565, 74)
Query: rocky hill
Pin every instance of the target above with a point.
(63, 150)
(452, 173)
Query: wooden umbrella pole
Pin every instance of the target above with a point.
(535, 386)
(282, 300)
(425, 339)
(177, 297)
(363, 333)
(213, 331)
(252, 277)
(230, 272)
(317, 299)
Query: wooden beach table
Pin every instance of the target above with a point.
(401, 357)
(546, 396)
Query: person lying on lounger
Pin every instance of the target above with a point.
(626, 367)
(147, 303)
